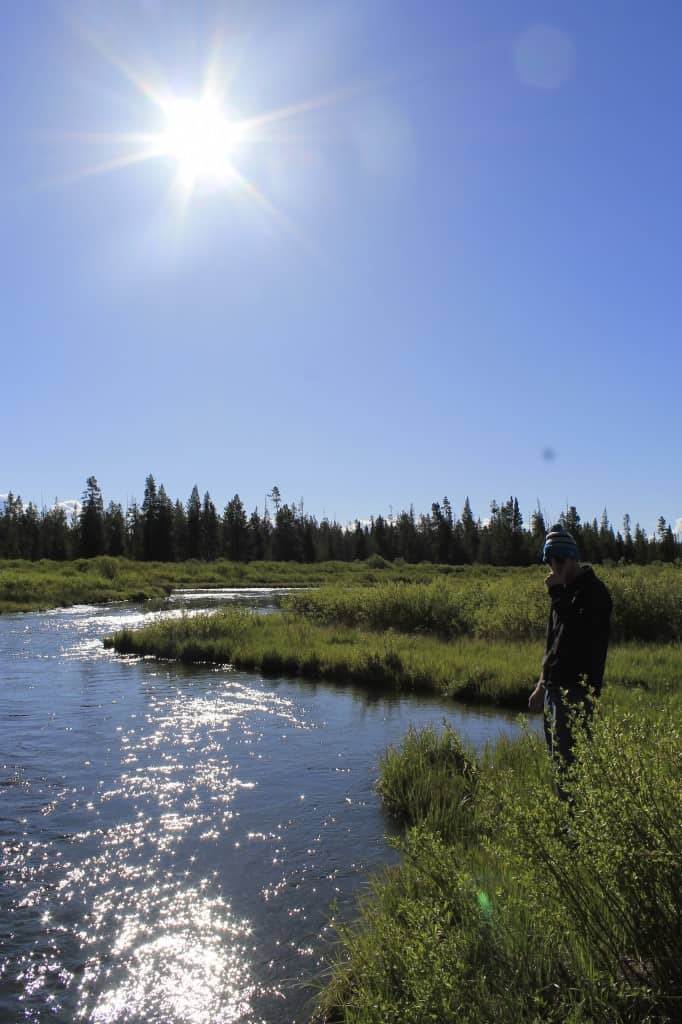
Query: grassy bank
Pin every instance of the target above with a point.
(506, 908)
(474, 670)
(33, 586)
(499, 604)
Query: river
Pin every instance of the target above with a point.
(175, 841)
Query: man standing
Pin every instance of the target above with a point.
(577, 642)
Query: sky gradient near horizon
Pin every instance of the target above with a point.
(457, 251)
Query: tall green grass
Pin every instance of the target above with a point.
(431, 779)
(536, 911)
(506, 604)
(478, 671)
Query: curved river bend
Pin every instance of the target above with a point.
(173, 839)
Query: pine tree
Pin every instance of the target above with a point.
(470, 533)
(641, 546)
(286, 542)
(407, 536)
(56, 534)
(235, 531)
(538, 533)
(255, 539)
(381, 538)
(276, 498)
(194, 524)
(164, 547)
(359, 541)
(180, 531)
(115, 530)
(11, 526)
(628, 545)
(150, 520)
(441, 532)
(31, 539)
(209, 529)
(135, 530)
(91, 520)
(666, 541)
(607, 541)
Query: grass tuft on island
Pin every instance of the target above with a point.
(473, 670)
(509, 905)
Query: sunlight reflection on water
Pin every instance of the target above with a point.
(173, 837)
(173, 951)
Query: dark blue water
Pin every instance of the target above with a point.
(173, 839)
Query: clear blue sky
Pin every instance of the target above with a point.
(467, 250)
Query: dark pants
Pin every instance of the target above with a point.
(561, 707)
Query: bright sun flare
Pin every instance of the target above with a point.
(208, 145)
(201, 139)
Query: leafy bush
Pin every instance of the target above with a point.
(539, 911)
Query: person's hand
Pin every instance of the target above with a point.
(556, 576)
(536, 701)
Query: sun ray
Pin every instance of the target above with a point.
(151, 92)
(105, 138)
(264, 204)
(306, 106)
(105, 167)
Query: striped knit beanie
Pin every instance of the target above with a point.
(559, 543)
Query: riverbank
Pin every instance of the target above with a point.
(507, 907)
(474, 670)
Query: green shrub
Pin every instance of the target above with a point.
(377, 562)
(539, 911)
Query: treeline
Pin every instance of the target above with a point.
(160, 529)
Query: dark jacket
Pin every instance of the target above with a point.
(578, 631)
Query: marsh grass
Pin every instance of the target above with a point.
(498, 604)
(31, 586)
(537, 911)
(476, 671)
(431, 779)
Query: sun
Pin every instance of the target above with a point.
(200, 137)
(211, 146)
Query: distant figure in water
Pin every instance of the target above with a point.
(577, 642)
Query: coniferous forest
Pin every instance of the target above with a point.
(161, 529)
